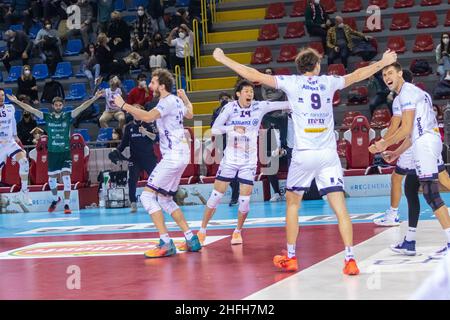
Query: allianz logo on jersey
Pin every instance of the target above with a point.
(57, 125)
(244, 123)
(321, 87)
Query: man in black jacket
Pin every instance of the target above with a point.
(139, 136)
(119, 32)
(19, 47)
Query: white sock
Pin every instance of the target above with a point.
(394, 210)
(411, 234)
(202, 230)
(447, 233)
(188, 234)
(349, 253)
(291, 250)
(66, 201)
(24, 185)
(165, 237)
(237, 230)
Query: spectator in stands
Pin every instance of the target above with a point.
(316, 20)
(180, 17)
(86, 17)
(339, 41)
(19, 46)
(52, 8)
(21, 11)
(26, 85)
(270, 94)
(104, 8)
(119, 32)
(381, 97)
(158, 53)
(49, 45)
(140, 94)
(156, 11)
(26, 124)
(142, 32)
(117, 135)
(111, 110)
(37, 134)
(90, 67)
(104, 53)
(185, 36)
(443, 56)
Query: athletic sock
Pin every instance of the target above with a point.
(165, 237)
(188, 234)
(349, 253)
(447, 233)
(24, 185)
(66, 202)
(411, 234)
(237, 230)
(202, 230)
(291, 250)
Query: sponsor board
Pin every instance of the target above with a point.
(12, 202)
(96, 248)
(198, 194)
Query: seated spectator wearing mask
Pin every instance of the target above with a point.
(185, 36)
(119, 32)
(142, 32)
(26, 125)
(26, 85)
(111, 110)
(47, 32)
(443, 56)
(316, 20)
(158, 53)
(18, 47)
(140, 94)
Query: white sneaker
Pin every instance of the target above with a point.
(25, 196)
(390, 219)
(441, 253)
(275, 198)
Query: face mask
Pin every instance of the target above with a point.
(48, 26)
(340, 25)
(27, 72)
(142, 84)
(445, 41)
(316, 1)
(140, 13)
(182, 35)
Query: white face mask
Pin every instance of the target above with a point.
(316, 1)
(142, 84)
(27, 72)
(341, 25)
(182, 35)
(445, 41)
(48, 26)
(140, 13)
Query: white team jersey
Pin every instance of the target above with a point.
(414, 98)
(8, 128)
(172, 140)
(243, 148)
(311, 99)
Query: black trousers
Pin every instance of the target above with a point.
(343, 54)
(134, 170)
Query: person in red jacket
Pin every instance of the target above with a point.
(140, 94)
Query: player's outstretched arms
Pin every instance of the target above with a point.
(87, 103)
(25, 106)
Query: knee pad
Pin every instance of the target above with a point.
(244, 204)
(149, 202)
(53, 183)
(167, 204)
(24, 166)
(214, 199)
(66, 182)
(431, 194)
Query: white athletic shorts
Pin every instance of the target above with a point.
(323, 165)
(405, 163)
(166, 176)
(427, 156)
(8, 149)
(228, 171)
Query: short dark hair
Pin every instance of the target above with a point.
(240, 85)
(57, 99)
(307, 59)
(164, 78)
(395, 65)
(142, 76)
(224, 94)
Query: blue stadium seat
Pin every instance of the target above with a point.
(105, 134)
(137, 3)
(14, 74)
(16, 27)
(84, 133)
(18, 114)
(1, 76)
(7, 91)
(41, 122)
(34, 30)
(120, 5)
(74, 47)
(77, 91)
(80, 74)
(67, 108)
(63, 70)
(40, 71)
(129, 84)
(103, 85)
(182, 3)
(129, 19)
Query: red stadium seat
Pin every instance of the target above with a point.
(403, 4)
(362, 64)
(425, 3)
(361, 91)
(295, 30)
(426, 73)
(368, 27)
(423, 43)
(337, 99)
(39, 162)
(359, 136)
(80, 159)
(400, 21)
(337, 69)
(283, 72)
(447, 19)
(352, 6)
(262, 55)
(191, 173)
(348, 119)
(275, 11)
(351, 22)
(329, 6)
(427, 19)
(382, 4)
(317, 46)
(298, 9)
(380, 119)
(268, 32)
(288, 52)
(397, 44)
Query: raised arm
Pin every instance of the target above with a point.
(25, 106)
(248, 73)
(87, 104)
(138, 114)
(361, 74)
(190, 110)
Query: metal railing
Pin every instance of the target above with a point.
(196, 43)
